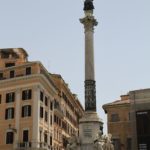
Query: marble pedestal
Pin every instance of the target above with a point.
(89, 126)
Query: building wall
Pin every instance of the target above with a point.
(119, 125)
(134, 119)
(71, 110)
(54, 124)
(120, 129)
(140, 108)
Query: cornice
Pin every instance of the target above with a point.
(25, 78)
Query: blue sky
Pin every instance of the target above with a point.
(50, 32)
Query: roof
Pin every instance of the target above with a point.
(118, 102)
(15, 51)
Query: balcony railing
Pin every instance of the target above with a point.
(31, 145)
(57, 109)
(24, 145)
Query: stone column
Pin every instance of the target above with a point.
(89, 124)
(90, 92)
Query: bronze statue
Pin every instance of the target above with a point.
(88, 5)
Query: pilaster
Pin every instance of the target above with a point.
(17, 116)
(36, 117)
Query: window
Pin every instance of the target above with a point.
(46, 101)
(9, 113)
(143, 123)
(26, 111)
(26, 94)
(12, 74)
(46, 116)
(10, 97)
(25, 135)
(114, 117)
(9, 138)
(28, 70)
(9, 64)
(41, 112)
(41, 96)
(1, 76)
(129, 142)
(117, 144)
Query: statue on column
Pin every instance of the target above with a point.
(73, 143)
(88, 5)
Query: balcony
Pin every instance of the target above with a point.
(33, 146)
(24, 146)
(57, 110)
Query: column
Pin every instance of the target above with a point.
(90, 90)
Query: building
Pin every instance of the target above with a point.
(129, 120)
(37, 109)
(119, 125)
(69, 105)
(140, 118)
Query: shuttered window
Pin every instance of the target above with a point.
(27, 94)
(9, 137)
(26, 111)
(10, 97)
(28, 70)
(9, 113)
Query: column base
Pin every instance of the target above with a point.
(89, 126)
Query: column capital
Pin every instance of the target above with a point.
(89, 22)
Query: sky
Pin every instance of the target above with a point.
(50, 32)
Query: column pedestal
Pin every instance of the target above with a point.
(89, 126)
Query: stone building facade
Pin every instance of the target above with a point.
(119, 125)
(129, 120)
(37, 109)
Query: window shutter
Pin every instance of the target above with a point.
(23, 111)
(30, 94)
(41, 112)
(12, 112)
(7, 97)
(6, 114)
(13, 97)
(23, 95)
(29, 110)
(41, 96)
